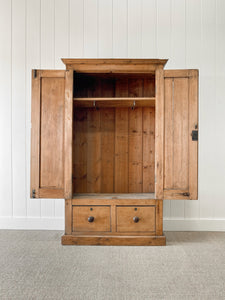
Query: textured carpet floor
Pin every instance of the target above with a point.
(34, 265)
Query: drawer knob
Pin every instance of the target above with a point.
(135, 219)
(91, 219)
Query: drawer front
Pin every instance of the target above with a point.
(91, 218)
(135, 218)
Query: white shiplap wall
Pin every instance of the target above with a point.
(37, 33)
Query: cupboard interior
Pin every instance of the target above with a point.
(113, 145)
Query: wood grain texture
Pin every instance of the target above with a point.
(148, 150)
(51, 132)
(180, 152)
(68, 216)
(101, 220)
(107, 150)
(159, 132)
(159, 217)
(68, 135)
(93, 152)
(114, 240)
(135, 149)
(145, 214)
(35, 135)
(121, 150)
(193, 146)
(80, 151)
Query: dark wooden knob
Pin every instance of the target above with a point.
(135, 219)
(91, 219)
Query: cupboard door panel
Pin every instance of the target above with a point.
(47, 155)
(181, 118)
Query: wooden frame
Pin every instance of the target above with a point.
(36, 191)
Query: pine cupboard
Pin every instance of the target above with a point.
(114, 137)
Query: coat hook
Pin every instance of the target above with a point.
(133, 105)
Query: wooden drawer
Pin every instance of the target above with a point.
(91, 218)
(135, 218)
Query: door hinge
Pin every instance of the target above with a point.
(194, 135)
(33, 193)
(35, 73)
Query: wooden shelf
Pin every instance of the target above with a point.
(128, 196)
(115, 102)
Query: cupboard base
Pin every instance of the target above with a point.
(114, 240)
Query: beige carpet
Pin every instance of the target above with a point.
(34, 265)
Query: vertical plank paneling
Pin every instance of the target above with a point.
(180, 132)
(148, 26)
(208, 92)
(80, 151)
(121, 150)
(120, 37)
(178, 58)
(169, 142)
(5, 110)
(220, 108)
(178, 31)
(148, 150)
(61, 32)
(61, 50)
(47, 62)
(94, 152)
(193, 60)
(107, 149)
(18, 108)
(105, 28)
(76, 29)
(163, 39)
(135, 149)
(134, 28)
(33, 59)
(90, 28)
(164, 29)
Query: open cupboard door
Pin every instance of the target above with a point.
(47, 155)
(180, 153)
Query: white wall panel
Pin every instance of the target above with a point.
(148, 28)
(19, 107)
(76, 28)
(6, 204)
(90, 28)
(33, 61)
(134, 28)
(37, 33)
(47, 62)
(120, 37)
(105, 29)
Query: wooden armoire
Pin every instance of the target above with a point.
(114, 137)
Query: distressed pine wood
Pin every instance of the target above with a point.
(107, 150)
(35, 134)
(159, 217)
(121, 150)
(135, 151)
(181, 117)
(80, 151)
(68, 135)
(114, 102)
(47, 165)
(101, 214)
(51, 146)
(114, 240)
(94, 152)
(148, 150)
(125, 215)
(68, 216)
(193, 123)
(159, 132)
